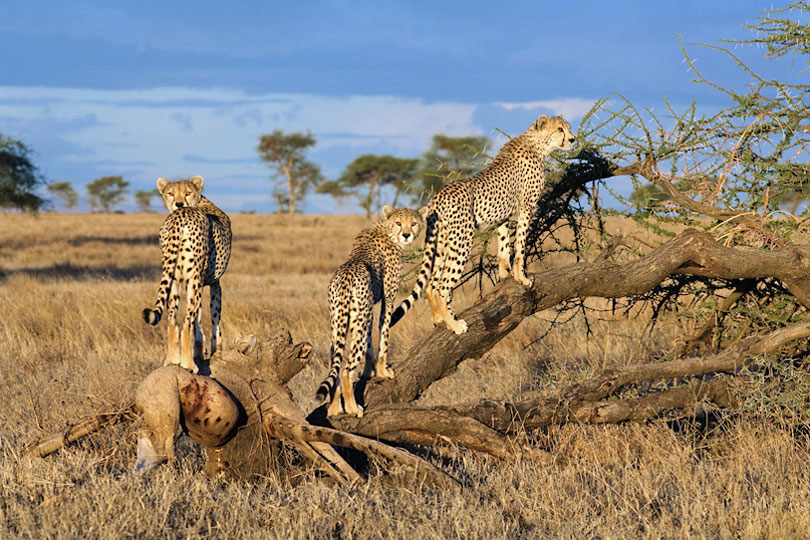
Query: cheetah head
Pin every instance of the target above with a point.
(181, 194)
(551, 133)
(404, 224)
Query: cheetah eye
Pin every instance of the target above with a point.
(399, 223)
(413, 224)
(188, 194)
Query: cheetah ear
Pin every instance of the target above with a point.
(197, 182)
(540, 122)
(387, 211)
(161, 184)
(423, 211)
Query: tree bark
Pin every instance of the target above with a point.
(499, 312)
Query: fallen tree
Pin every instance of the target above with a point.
(255, 372)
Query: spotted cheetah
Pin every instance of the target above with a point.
(512, 183)
(195, 240)
(371, 275)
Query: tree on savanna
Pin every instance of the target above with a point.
(106, 192)
(365, 177)
(19, 177)
(451, 158)
(65, 191)
(293, 175)
(143, 199)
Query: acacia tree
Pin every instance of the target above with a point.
(18, 176)
(293, 175)
(144, 199)
(366, 175)
(106, 192)
(725, 173)
(451, 158)
(65, 191)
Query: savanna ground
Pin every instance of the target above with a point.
(72, 343)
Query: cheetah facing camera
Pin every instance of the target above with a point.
(195, 241)
(371, 275)
(511, 183)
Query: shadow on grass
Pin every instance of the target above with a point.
(149, 239)
(80, 272)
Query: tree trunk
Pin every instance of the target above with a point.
(290, 186)
(500, 311)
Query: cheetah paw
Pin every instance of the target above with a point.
(460, 327)
(383, 372)
(357, 411)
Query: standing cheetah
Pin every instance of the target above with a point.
(371, 275)
(195, 241)
(511, 183)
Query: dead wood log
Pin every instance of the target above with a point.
(582, 402)
(406, 423)
(279, 427)
(691, 252)
(74, 432)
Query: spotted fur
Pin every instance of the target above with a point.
(512, 183)
(371, 275)
(195, 240)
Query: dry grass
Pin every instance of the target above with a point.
(72, 343)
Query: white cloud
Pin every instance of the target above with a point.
(81, 134)
(569, 108)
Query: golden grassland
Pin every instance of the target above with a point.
(72, 343)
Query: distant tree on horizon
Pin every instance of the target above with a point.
(65, 191)
(449, 159)
(143, 199)
(367, 174)
(293, 175)
(106, 192)
(18, 177)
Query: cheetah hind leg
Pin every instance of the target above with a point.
(350, 406)
(503, 251)
(442, 314)
(336, 405)
(199, 338)
(435, 302)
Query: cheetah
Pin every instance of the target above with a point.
(195, 240)
(512, 183)
(370, 275)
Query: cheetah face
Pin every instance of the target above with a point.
(552, 132)
(404, 224)
(185, 193)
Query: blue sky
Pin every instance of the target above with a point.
(147, 89)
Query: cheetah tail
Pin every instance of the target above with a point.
(338, 345)
(428, 257)
(152, 316)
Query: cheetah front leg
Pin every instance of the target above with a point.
(519, 268)
(503, 251)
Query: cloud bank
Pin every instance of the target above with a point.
(80, 134)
